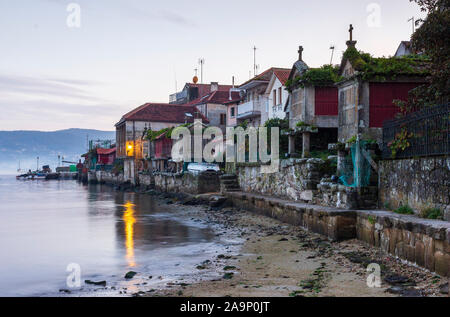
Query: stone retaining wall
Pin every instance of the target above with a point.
(420, 183)
(103, 177)
(187, 183)
(423, 242)
(340, 196)
(334, 223)
(297, 179)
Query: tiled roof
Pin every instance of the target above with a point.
(162, 112)
(204, 89)
(220, 97)
(266, 75)
(106, 151)
(282, 75)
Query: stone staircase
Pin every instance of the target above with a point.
(229, 183)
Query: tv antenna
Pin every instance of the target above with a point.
(332, 48)
(201, 61)
(255, 67)
(413, 20)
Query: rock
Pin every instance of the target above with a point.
(443, 289)
(229, 268)
(217, 201)
(64, 291)
(101, 283)
(395, 279)
(228, 276)
(130, 274)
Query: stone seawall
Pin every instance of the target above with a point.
(187, 183)
(422, 242)
(420, 183)
(297, 179)
(336, 224)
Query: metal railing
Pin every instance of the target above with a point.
(427, 131)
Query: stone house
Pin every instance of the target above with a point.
(214, 106)
(160, 155)
(368, 90)
(312, 107)
(131, 128)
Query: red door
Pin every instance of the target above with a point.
(381, 96)
(326, 101)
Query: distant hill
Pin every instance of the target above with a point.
(25, 146)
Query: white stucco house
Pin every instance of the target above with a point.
(276, 95)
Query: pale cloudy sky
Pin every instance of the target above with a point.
(128, 52)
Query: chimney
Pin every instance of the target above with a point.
(300, 53)
(214, 86)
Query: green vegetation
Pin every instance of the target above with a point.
(404, 210)
(372, 220)
(153, 135)
(327, 75)
(384, 68)
(432, 37)
(352, 140)
(432, 213)
(401, 142)
(283, 125)
(302, 124)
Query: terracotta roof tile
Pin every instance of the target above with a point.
(282, 75)
(160, 112)
(106, 151)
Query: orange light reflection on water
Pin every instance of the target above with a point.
(130, 220)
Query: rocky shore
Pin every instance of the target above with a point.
(277, 259)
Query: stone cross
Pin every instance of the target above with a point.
(300, 53)
(351, 32)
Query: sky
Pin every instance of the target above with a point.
(60, 69)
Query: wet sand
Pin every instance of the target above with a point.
(280, 260)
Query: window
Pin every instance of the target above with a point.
(223, 118)
(280, 96)
(274, 97)
(233, 112)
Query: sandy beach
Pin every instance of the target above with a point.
(280, 260)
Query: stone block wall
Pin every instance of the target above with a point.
(423, 242)
(297, 179)
(419, 183)
(419, 241)
(340, 196)
(187, 183)
(103, 177)
(333, 223)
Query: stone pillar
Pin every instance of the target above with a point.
(291, 144)
(340, 162)
(306, 144)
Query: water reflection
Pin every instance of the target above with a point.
(130, 220)
(107, 231)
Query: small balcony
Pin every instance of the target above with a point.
(251, 109)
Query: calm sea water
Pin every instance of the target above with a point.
(47, 225)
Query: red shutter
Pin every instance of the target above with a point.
(326, 101)
(381, 96)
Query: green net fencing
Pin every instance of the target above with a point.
(356, 168)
